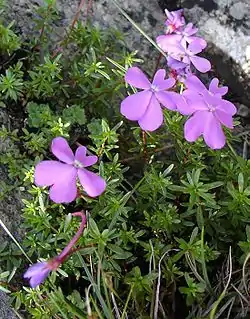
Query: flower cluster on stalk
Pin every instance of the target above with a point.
(206, 109)
(208, 112)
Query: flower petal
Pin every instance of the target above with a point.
(93, 184)
(60, 148)
(227, 107)
(153, 117)
(166, 42)
(225, 118)
(195, 47)
(135, 105)
(64, 190)
(201, 41)
(83, 158)
(160, 82)
(201, 64)
(34, 269)
(166, 99)
(47, 173)
(194, 126)
(213, 133)
(194, 83)
(195, 100)
(37, 273)
(182, 105)
(135, 77)
(176, 64)
(215, 89)
(39, 278)
(190, 29)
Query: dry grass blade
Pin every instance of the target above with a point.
(222, 295)
(244, 274)
(157, 297)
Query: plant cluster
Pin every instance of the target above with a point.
(164, 231)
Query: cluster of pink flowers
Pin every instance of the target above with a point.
(206, 108)
(182, 45)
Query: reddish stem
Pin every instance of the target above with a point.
(90, 4)
(76, 17)
(144, 139)
(67, 250)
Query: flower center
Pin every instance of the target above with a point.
(211, 108)
(154, 88)
(78, 164)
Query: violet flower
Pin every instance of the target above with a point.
(209, 112)
(175, 20)
(182, 56)
(182, 37)
(38, 272)
(144, 106)
(62, 176)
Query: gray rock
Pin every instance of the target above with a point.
(147, 14)
(10, 206)
(238, 10)
(225, 24)
(5, 310)
(10, 215)
(104, 14)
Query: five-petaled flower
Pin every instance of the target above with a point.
(181, 56)
(175, 20)
(180, 37)
(38, 272)
(209, 112)
(62, 176)
(144, 106)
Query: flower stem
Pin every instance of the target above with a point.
(144, 140)
(67, 250)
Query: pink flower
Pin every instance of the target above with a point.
(175, 20)
(144, 106)
(38, 272)
(209, 112)
(62, 176)
(181, 37)
(181, 56)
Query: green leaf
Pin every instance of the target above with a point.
(124, 255)
(67, 222)
(93, 227)
(178, 188)
(248, 232)
(209, 186)
(168, 170)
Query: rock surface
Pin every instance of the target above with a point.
(225, 24)
(5, 310)
(10, 206)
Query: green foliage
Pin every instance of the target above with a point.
(11, 84)
(9, 41)
(163, 227)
